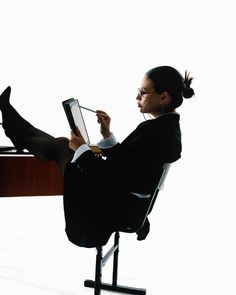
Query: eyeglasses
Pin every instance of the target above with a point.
(142, 91)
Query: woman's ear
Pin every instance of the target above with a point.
(165, 100)
(165, 97)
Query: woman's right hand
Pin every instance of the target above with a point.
(104, 120)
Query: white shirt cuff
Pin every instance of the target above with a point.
(108, 142)
(83, 148)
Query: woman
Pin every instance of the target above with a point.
(108, 193)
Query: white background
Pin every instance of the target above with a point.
(98, 52)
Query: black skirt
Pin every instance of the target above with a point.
(94, 211)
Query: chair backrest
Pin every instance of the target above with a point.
(160, 186)
(165, 171)
(152, 199)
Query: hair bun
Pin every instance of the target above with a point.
(187, 90)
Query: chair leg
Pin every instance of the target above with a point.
(100, 262)
(98, 272)
(115, 259)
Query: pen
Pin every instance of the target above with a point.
(88, 109)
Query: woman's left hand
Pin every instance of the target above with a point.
(76, 140)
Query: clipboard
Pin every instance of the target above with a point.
(75, 117)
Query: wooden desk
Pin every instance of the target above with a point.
(24, 175)
(21, 174)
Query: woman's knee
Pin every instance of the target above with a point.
(62, 141)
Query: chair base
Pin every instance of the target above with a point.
(116, 288)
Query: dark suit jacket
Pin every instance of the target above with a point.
(97, 189)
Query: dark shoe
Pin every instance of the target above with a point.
(9, 120)
(4, 97)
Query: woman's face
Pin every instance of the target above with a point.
(148, 100)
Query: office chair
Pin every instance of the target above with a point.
(101, 260)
